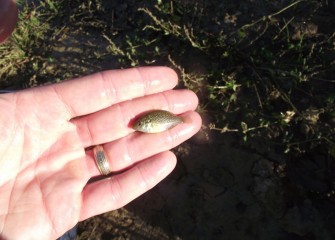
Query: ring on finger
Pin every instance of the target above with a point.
(101, 160)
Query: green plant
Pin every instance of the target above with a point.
(29, 36)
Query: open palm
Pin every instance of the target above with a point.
(45, 139)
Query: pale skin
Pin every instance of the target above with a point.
(45, 139)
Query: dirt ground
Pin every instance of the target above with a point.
(220, 189)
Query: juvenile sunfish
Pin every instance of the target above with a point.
(156, 121)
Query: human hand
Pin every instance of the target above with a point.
(8, 18)
(45, 134)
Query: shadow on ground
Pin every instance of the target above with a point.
(218, 191)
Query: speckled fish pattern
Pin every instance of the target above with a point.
(156, 121)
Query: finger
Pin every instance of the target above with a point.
(98, 91)
(115, 192)
(115, 122)
(131, 149)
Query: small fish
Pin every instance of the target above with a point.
(156, 121)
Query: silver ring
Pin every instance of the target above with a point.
(101, 160)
